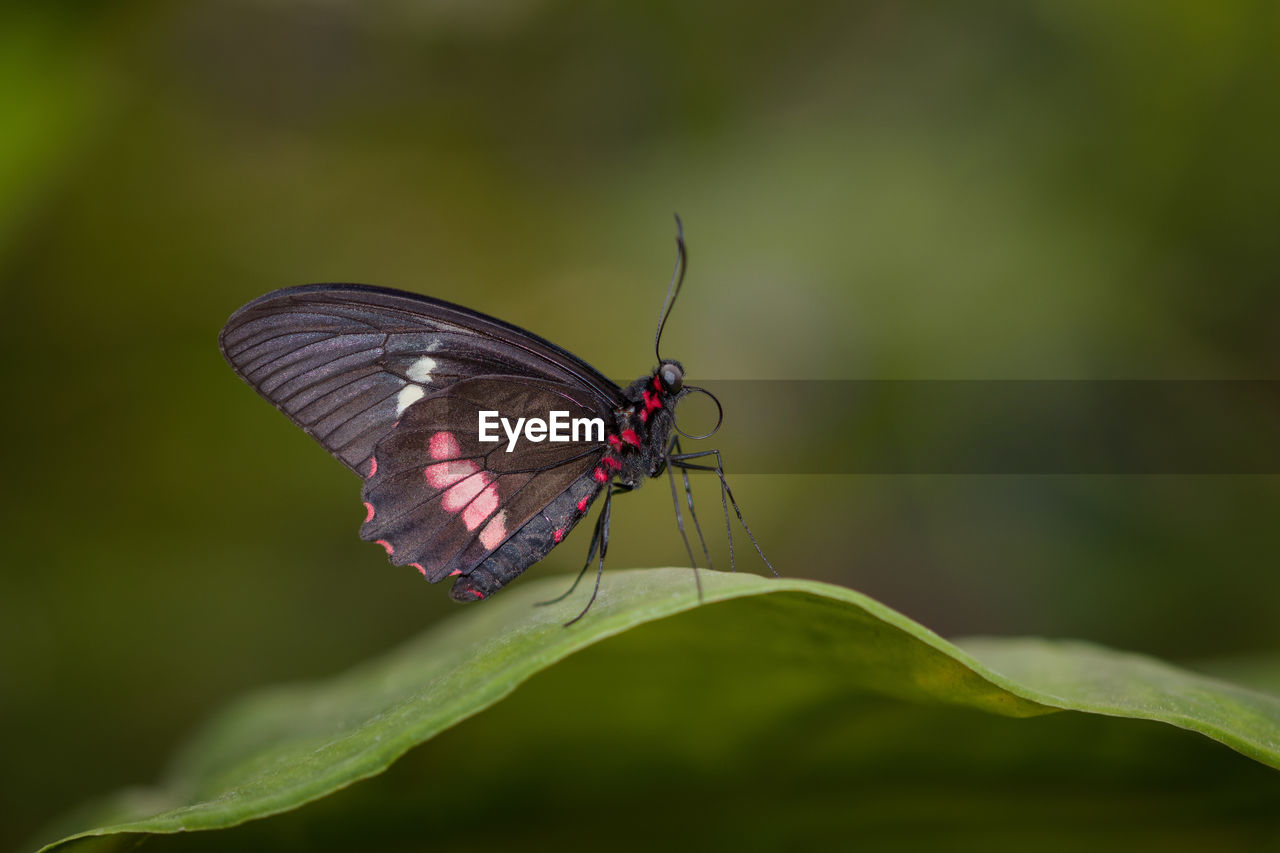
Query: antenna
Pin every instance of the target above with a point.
(677, 279)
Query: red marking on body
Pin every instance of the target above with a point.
(558, 535)
(445, 474)
(421, 570)
(478, 594)
(630, 437)
(652, 401)
(480, 508)
(615, 443)
(644, 416)
(385, 544)
(600, 475)
(494, 532)
(657, 383)
(368, 506)
(444, 446)
(582, 505)
(610, 462)
(373, 465)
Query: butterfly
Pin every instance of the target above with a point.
(480, 444)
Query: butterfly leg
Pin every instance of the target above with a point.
(693, 514)
(688, 491)
(591, 555)
(682, 460)
(603, 524)
(675, 501)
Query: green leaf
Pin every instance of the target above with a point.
(759, 651)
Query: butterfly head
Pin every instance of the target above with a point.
(671, 375)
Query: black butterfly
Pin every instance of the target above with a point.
(393, 384)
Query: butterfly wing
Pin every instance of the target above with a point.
(345, 361)
(391, 383)
(443, 501)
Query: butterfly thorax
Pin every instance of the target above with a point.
(642, 431)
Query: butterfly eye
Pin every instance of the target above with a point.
(672, 377)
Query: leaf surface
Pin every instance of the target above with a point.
(811, 643)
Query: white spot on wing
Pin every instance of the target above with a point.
(420, 370)
(408, 395)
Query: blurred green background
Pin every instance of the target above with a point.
(1071, 189)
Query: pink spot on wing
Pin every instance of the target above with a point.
(495, 531)
(615, 443)
(630, 437)
(600, 475)
(385, 544)
(444, 446)
(421, 570)
(455, 573)
(480, 508)
(368, 506)
(464, 492)
(444, 474)
(582, 505)
(558, 535)
(373, 465)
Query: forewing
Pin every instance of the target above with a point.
(345, 361)
(441, 500)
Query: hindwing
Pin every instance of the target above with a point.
(440, 499)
